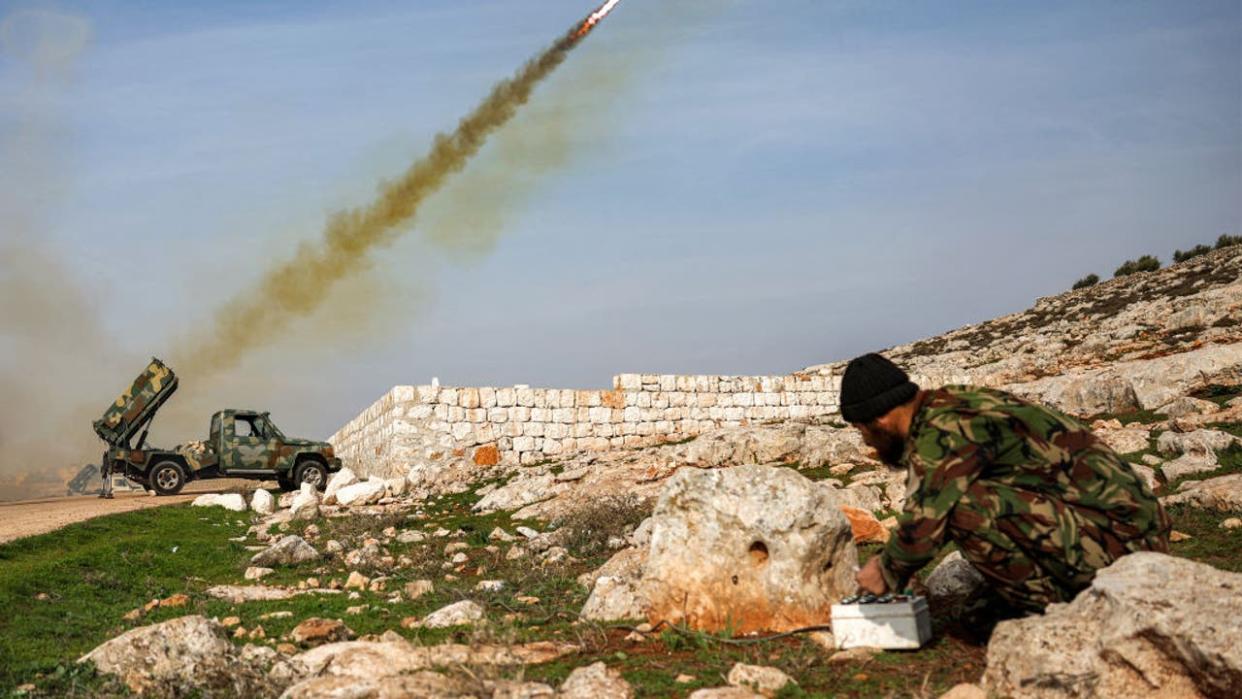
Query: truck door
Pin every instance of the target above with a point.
(245, 446)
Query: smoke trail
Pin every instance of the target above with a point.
(300, 285)
(49, 332)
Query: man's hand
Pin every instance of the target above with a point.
(870, 578)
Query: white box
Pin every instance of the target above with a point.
(890, 625)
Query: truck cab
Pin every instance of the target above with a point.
(248, 444)
(241, 443)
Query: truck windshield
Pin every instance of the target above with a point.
(270, 429)
(215, 427)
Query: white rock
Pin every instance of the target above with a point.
(954, 585)
(1222, 493)
(1198, 442)
(1188, 464)
(765, 680)
(188, 652)
(754, 547)
(338, 480)
(724, 693)
(1147, 474)
(411, 537)
(490, 585)
(1150, 625)
(463, 613)
(257, 573)
(396, 486)
(290, 550)
(614, 588)
(229, 501)
(1185, 406)
(364, 493)
(595, 681)
(262, 502)
(306, 503)
(1125, 441)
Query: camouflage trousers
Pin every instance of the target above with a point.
(1048, 550)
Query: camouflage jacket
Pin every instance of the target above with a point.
(1050, 485)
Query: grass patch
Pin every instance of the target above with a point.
(93, 572)
(1209, 542)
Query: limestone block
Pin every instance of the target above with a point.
(506, 397)
(668, 382)
(628, 382)
(532, 429)
(487, 397)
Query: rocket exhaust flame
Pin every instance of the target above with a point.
(594, 18)
(299, 285)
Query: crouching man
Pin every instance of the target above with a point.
(1031, 498)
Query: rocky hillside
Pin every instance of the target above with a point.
(1134, 342)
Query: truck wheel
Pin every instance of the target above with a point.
(168, 478)
(311, 472)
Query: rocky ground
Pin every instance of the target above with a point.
(701, 569)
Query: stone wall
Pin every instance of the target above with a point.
(522, 425)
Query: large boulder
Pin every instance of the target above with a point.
(229, 501)
(290, 550)
(1198, 442)
(364, 493)
(262, 502)
(177, 656)
(1150, 625)
(306, 503)
(751, 547)
(1222, 493)
(338, 480)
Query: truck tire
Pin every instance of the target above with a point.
(311, 472)
(167, 478)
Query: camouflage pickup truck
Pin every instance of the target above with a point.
(242, 443)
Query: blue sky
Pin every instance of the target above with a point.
(706, 186)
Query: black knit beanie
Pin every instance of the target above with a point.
(871, 387)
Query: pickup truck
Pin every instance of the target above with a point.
(241, 444)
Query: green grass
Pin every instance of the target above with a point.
(93, 572)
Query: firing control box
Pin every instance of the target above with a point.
(890, 622)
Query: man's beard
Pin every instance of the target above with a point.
(890, 447)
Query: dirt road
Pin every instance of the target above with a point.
(19, 519)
